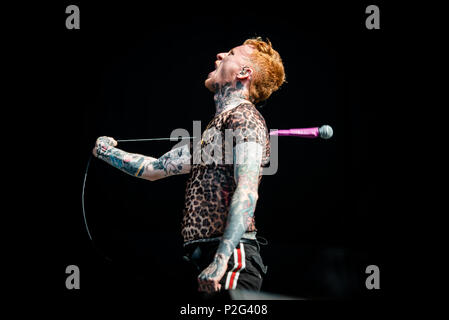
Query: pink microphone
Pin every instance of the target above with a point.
(324, 132)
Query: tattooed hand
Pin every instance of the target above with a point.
(209, 279)
(102, 144)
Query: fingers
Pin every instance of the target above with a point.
(107, 140)
(208, 285)
(102, 143)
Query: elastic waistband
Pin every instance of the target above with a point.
(215, 241)
(250, 236)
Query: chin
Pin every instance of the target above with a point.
(208, 83)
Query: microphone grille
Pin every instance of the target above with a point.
(326, 132)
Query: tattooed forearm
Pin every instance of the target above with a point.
(243, 202)
(242, 210)
(174, 162)
(132, 164)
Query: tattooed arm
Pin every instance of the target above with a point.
(176, 161)
(247, 161)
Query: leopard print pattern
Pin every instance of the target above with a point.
(211, 183)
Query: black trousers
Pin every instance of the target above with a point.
(245, 268)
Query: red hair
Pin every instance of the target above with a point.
(269, 72)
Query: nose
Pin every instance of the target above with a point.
(221, 56)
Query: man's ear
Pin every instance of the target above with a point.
(245, 73)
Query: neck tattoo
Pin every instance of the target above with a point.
(228, 96)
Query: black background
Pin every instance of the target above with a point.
(138, 72)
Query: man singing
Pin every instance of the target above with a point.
(218, 223)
